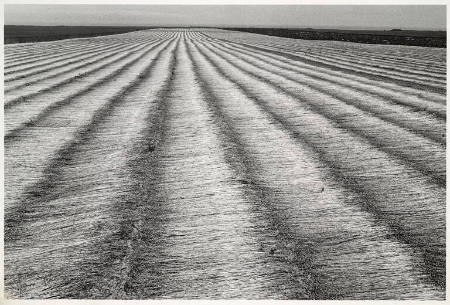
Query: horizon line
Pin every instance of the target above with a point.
(304, 27)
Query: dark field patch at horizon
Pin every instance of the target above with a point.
(31, 33)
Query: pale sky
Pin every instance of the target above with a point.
(324, 16)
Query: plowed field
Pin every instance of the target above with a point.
(219, 164)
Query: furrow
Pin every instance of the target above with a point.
(144, 209)
(48, 60)
(344, 69)
(416, 151)
(33, 91)
(404, 69)
(401, 64)
(353, 51)
(391, 72)
(17, 52)
(213, 164)
(62, 63)
(81, 202)
(351, 93)
(384, 68)
(320, 223)
(25, 51)
(29, 55)
(373, 90)
(58, 126)
(47, 49)
(91, 45)
(104, 53)
(399, 91)
(26, 115)
(398, 195)
(206, 209)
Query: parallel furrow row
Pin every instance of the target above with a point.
(23, 76)
(359, 70)
(298, 175)
(26, 112)
(419, 152)
(393, 110)
(77, 185)
(215, 164)
(364, 168)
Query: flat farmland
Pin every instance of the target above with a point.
(216, 164)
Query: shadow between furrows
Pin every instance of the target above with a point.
(14, 134)
(110, 250)
(435, 176)
(144, 210)
(276, 62)
(406, 83)
(297, 253)
(42, 190)
(433, 258)
(136, 49)
(78, 63)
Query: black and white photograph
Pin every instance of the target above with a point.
(246, 151)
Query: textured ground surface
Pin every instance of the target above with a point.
(216, 164)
